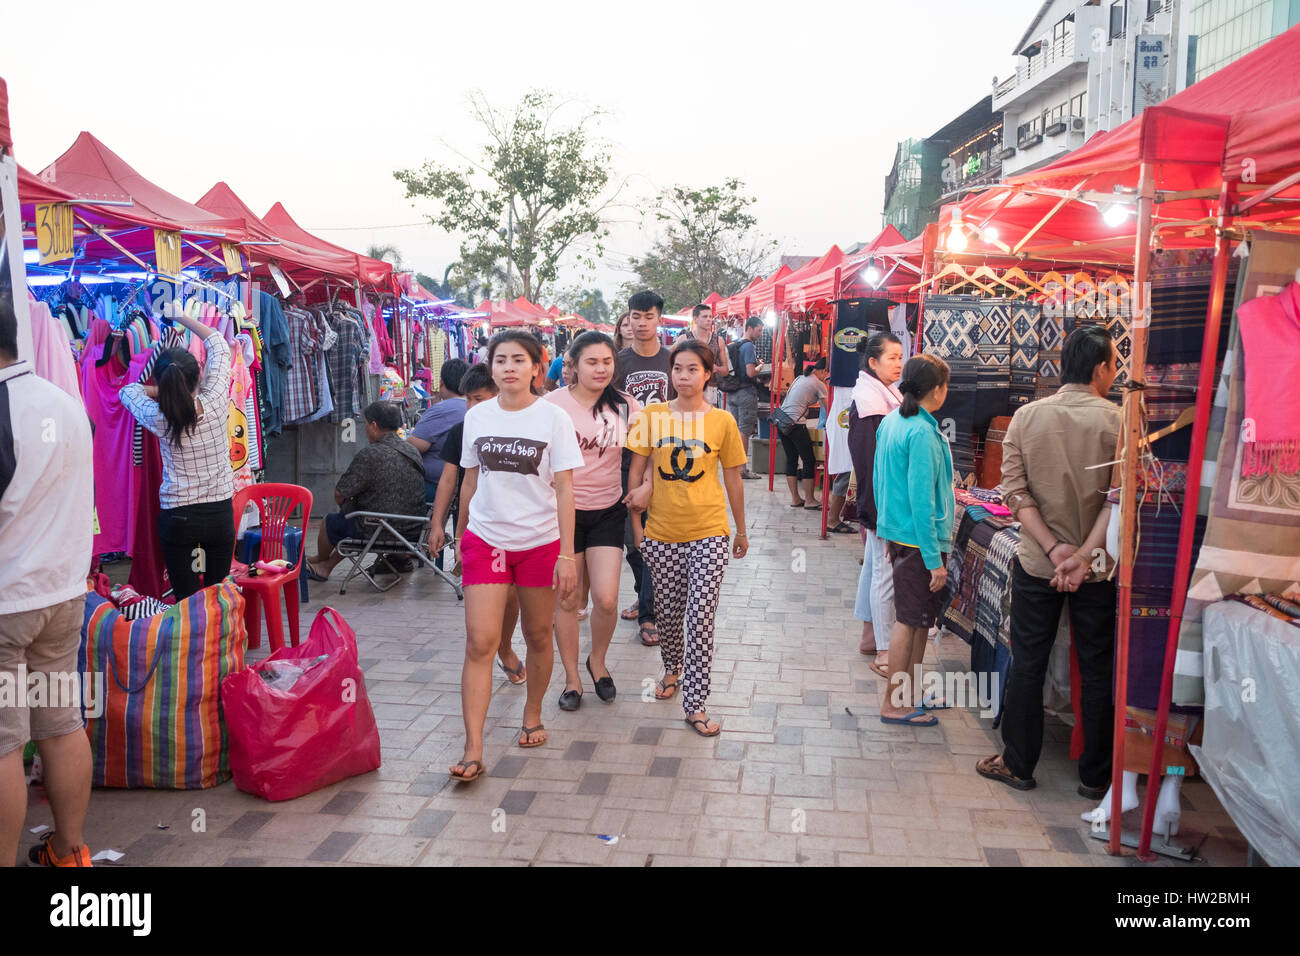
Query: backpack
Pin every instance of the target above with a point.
(735, 379)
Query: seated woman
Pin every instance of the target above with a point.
(387, 475)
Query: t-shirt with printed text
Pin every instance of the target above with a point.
(598, 484)
(688, 501)
(645, 378)
(517, 454)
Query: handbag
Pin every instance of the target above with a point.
(782, 421)
(160, 724)
(301, 720)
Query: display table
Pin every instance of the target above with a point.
(1251, 752)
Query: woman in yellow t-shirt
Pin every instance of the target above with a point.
(687, 540)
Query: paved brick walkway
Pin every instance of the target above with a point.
(803, 773)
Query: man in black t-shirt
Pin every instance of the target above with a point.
(644, 371)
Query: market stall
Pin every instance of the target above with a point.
(1214, 167)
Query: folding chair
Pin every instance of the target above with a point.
(386, 536)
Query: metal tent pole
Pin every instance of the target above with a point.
(1187, 527)
(1128, 488)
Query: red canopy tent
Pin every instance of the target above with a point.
(92, 172)
(373, 273)
(735, 305)
(764, 295)
(794, 297)
(295, 259)
(826, 283)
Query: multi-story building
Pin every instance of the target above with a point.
(1216, 32)
(1084, 67)
(927, 172)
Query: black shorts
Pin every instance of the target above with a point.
(599, 529)
(914, 603)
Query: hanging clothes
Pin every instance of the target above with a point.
(277, 358)
(302, 392)
(53, 350)
(345, 363)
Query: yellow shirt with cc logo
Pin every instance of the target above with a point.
(688, 501)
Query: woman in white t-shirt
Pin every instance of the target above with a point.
(516, 506)
(600, 415)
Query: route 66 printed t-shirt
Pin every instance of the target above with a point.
(517, 455)
(688, 501)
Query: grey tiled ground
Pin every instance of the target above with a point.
(803, 773)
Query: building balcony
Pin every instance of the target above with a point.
(1058, 63)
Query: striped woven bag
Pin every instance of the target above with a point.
(161, 723)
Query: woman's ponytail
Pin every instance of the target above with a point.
(177, 375)
(921, 375)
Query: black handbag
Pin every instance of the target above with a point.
(781, 421)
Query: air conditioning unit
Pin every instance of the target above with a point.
(1077, 124)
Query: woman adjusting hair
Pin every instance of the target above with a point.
(188, 413)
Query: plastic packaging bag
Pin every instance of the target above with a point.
(300, 720)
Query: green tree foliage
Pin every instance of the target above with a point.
(537, 189)
(588, 303)
(388, 253)
(709, 244)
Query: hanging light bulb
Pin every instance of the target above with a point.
(871, 274)
(991, 234)
(956, 238)
(1115, 214)
(769, 318)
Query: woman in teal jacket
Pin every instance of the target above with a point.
(914, 499)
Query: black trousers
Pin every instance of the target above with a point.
(798, 445)
(1035, 612)
(198, 542)
(641, 577)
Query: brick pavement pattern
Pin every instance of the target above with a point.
(803, 772)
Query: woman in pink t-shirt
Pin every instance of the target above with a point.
(600, 415)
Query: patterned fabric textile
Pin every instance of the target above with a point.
(1252, 537)
(1272, 605)
(1025, 318)
(1158, 481)
(1117, 320)
(1180, 292)
(956, 419)
(1051, 335)
(992, 327)
(1170, 389)
(994, 588)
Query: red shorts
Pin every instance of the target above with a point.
(483, 564)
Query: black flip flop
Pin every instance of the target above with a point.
(843, 528)
(641, 632)
(467, 764)
(312, 575)
(697, 723)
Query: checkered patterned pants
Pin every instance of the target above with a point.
(687, 580)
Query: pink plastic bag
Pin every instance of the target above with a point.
(300, 720)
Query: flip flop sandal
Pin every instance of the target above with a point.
(643, 630)
(526, 732)
(312, 575)
(878, 670)
(936, 703)
(994, 769)
(799, 505)
(513, 674)
(812, 507)
(697, 723)
(467, 764)
(843, 528)
(631, 613)
(908, 721)
(669, 689)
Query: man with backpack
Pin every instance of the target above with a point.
(741, 384)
